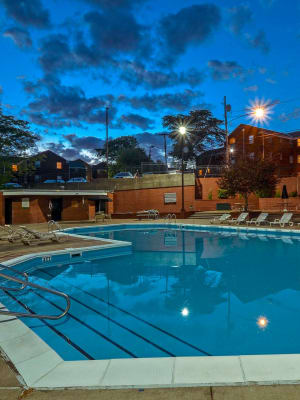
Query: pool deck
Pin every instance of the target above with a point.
(12, 386)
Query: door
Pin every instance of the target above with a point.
(56, 209)
(8, 211)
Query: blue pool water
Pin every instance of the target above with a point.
(177, 293)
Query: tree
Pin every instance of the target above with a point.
(248, 176)
(15, 136)
(116, 146)
(203, 132)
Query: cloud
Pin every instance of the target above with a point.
(56, 105)
(285, 117)
(85, 142)
(240, 16)
(136, 120)
(116, 4)
(226, 70)
(253, 88)
(271, 81)
(73, 151)
(20, 36)
(189, 26)
(180, 101)
(136, 74)
(259, 41)
(262, 70)
(28, 12)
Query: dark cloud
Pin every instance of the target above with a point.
(190, 26)
(180, 101)
(136, 74)
(259, 41)
(117, 32)
(21, 37)
(56, 105)
(225, 70)
(137, 121)
(85, 142)
(28, 12)
(295, 114)
(72, 153)
(240, 16)
(116, 4)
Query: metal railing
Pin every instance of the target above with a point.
(24, 284)
(169, 218)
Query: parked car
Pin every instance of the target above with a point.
(124, 175)
(72, 180)
(12, 185)
(54, 181)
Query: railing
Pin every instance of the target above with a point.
(168, 218)
(25, 284)
(53, 226)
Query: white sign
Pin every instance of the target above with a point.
(170, 198)
(25, 202)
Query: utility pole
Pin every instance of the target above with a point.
(227, 107)
(106, 123)
(165, 147)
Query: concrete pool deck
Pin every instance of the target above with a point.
(149, 373)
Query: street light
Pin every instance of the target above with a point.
(182, 131)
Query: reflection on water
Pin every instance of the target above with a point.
(226, 293)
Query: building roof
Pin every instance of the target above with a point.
(259, 130)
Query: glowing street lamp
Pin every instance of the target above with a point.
(185, 312)
(262, 322)
(182, 130)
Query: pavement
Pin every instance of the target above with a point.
(11, 387)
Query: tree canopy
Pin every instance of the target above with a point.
(248, 176)
(203, 132)
(116, 146)
(15, 136)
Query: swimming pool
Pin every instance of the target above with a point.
(180, 292)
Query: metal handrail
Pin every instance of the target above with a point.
(24, 284)
(34, 285)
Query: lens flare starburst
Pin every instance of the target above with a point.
(260, 111)
(262, 322)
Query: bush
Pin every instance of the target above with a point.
(294, 194)
(277, 194)
(222, 194)
(210, 196)
(264, 193)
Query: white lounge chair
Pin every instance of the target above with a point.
(35, 236)
(221, 219)
(259, 220)
(284, 220)
(240, 219)
(12, 234)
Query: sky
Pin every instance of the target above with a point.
(64, 61)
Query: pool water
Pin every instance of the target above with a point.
(180, 293)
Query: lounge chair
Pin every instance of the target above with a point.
(12, 234)
(148, 214)
(35, 236)
(259, 220)
(284, 220)
(239, 220)
(221, 219)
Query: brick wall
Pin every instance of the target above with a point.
(74, 209)
(36, 213)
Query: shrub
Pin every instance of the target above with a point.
(222, 194)
(294, 194)
(210, 196)
(264, 193)
(277, 194)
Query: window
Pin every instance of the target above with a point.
(58, 165)
(232, 140)
(36, 178)
(251, 139)
(37, 164)
(200, 172)
(170, 198)
(291, 158)
(14, 168)
(251, 156)
(208, 170)
(298, 159)
(298, 142)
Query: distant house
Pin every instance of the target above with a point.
(80, 169)
(99, 170)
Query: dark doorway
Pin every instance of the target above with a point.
(56, 209)
(8, 211)
(100, 205)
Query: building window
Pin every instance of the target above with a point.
(36, 178)
(251, 156)
(208, 170)
(14, 168)
(58, 165)
(232, 140)
(200, 172)
(298, 142)
(291, 158)
(37, 164)
(251, 139)
(298, 159)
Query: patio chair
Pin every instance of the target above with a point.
(239, 220)
(221, 219)
(35, 236)
(259, 220)
(284, 220)
(153, 214)
(12, 234)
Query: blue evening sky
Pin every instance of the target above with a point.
(63, 61)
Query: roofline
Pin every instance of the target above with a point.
(42, 192)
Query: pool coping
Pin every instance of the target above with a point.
(41, 367)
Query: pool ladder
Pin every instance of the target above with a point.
(25, 283)
(169, 218)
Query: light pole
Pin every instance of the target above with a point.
(106, 124)
(182, 131)
(165, 147)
